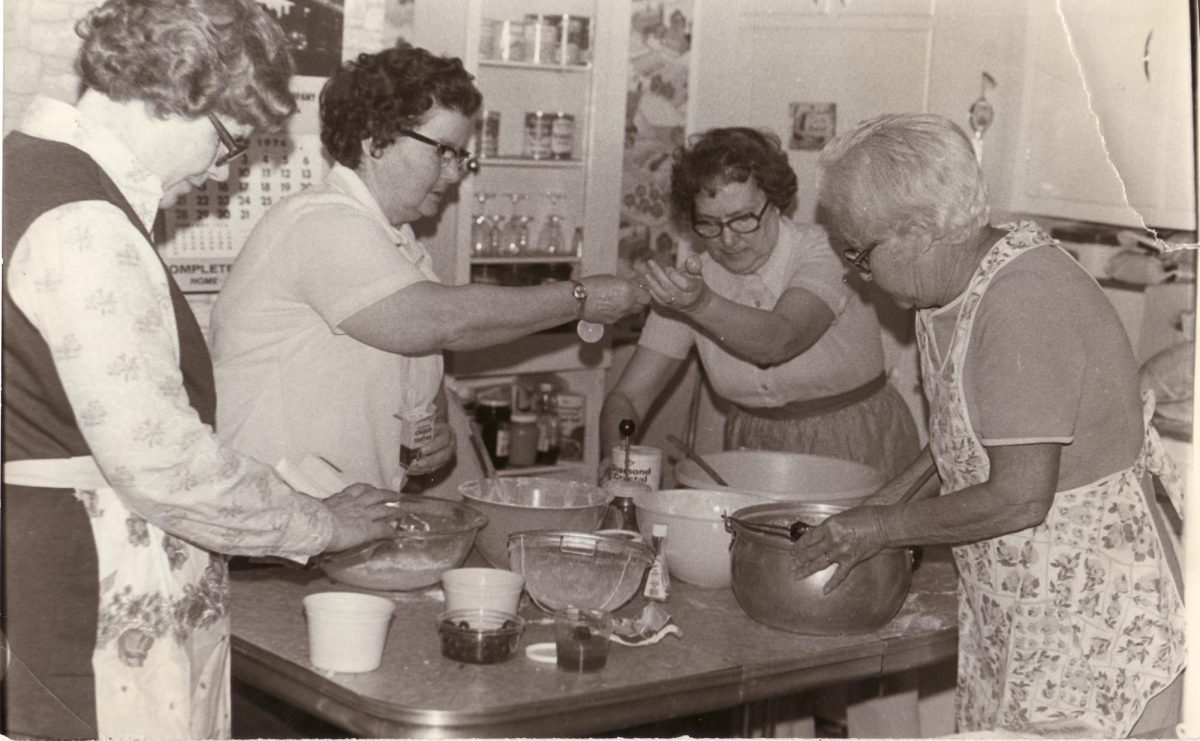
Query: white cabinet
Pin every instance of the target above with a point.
(1107, 120)
(839, 7)
(581, 185)
(754, 58)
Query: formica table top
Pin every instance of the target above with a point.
(722, 659)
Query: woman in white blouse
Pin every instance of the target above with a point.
(763, 301)
(118, 499)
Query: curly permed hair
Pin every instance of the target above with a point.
(376, 95)
(734, 154)
(189, 58)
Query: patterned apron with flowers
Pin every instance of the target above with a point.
(1076, 622)
(161, 660)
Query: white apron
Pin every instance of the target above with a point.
(161, 660)
(1076, 622)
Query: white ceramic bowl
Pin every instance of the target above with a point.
(697, 544)
(784, 477)
(482, 589)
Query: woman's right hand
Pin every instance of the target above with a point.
(609, 298)
(361, 513)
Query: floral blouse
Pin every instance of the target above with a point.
(93, 287)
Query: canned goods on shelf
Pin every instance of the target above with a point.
(487, 134)
(538, 135)
(578, 44)
(504, 40)
(545, 38)
(562, 136)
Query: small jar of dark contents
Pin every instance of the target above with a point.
(479, 636)
(581, 639)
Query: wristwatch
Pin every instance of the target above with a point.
(580, 293)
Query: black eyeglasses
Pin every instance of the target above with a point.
(448, 155)
(860, 259)
(234, 147)
(744, 224)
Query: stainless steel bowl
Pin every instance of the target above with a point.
(765, 587)
(520, 503)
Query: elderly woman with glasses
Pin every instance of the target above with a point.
(118, 499)
(329, 332)
(1071, 617)
(780, 336)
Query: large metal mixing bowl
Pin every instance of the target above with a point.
(531, 503)
(765, 587)
(783, 477)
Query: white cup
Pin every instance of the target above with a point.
(478, 588)
(347, 630)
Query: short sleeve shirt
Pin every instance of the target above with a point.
(848, 355)
(1048, 360)
(289, 382)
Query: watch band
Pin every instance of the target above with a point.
(579, 293)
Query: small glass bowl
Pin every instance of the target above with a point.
(479, 636)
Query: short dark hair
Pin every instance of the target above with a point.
(376, 95)
(189, 58)
(733, 154)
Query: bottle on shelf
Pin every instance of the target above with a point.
(522, 440)
(577, 242)
(547, 422)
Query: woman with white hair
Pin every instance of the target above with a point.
(1071, 616)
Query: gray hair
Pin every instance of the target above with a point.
(909, 178)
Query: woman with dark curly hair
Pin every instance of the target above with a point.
(763, 301)
(329, 331)
(118, 499)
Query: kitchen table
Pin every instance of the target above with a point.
(722, 660)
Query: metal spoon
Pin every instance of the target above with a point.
(712, 474)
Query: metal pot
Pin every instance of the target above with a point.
(762, 561)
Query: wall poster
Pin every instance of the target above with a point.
(656, 118)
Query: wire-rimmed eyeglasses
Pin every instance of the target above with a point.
(744, 224)
(448, 155)
(860, 259)
(234, 146)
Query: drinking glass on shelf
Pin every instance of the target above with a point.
(481, 227)
(496, 233)
(512, 241)
(550, 238)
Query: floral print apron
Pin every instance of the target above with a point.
(1076, 622)
(161, 660)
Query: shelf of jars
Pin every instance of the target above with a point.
(526, 260)
(529, 162)
(553, 68)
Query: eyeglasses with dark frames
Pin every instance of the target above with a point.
(234, 146)
(860, 259)
(460, 158)
(744, 224)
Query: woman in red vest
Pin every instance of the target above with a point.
(118, 499)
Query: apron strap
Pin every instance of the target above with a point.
(56, 473)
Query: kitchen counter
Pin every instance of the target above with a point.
(723, 659)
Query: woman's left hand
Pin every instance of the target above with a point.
(679, 290)
(437, 452)
(845, 539)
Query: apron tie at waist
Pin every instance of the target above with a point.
(823, 405)
(56, 473)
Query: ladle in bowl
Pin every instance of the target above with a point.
(793, 531)
(712, 474)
